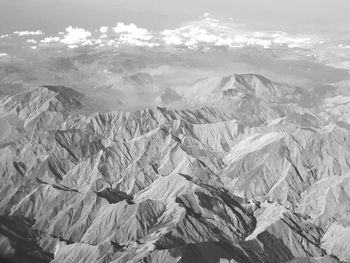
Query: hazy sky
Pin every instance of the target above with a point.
(54, 15)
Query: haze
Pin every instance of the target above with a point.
(52, 16)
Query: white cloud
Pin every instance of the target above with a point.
(111, 42)
(210, 32)
(133, 30)
(171, 39)
(103, 29)
(50, 40)
(265, 43)
(4, 36)
(259, 34)
(32, 41)
(127, 39)
(189, 36)
(29, 33)
(76, 36)
(194, 37)
(3, 55)
(206, 33)
(98, 42)
(72, 46)
(133, 35)
(283, 38)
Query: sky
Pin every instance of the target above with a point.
(53, 15)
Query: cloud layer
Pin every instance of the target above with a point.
(212, 32)
(29, 33)
(206, 33)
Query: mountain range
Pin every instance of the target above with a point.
(236, 169)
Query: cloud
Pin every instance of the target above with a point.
(188, 36)
(133, 35)
(50, 40)
(76, 36)
(32, 41)
(104, 29)
(206, 33)
(170, 38)
(73, 46)
(282, 38)
(4, 36)
(195, 37)
(112, 42)
(210, 32)
(133, 31)
(73, 37)
(3, 55)
(29, 33)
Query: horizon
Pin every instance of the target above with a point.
(312, 15)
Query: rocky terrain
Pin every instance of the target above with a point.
(232, 169)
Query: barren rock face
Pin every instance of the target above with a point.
(258, 179)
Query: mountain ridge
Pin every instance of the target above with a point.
(204, 184)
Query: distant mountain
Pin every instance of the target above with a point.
(139, 82)
(168, 96)
(251, 85)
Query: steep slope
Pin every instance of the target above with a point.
(337, 109)
(281, 235)
(262, 181)
(253, 99)
(280, 163)
(42, 107)
(336, 241)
